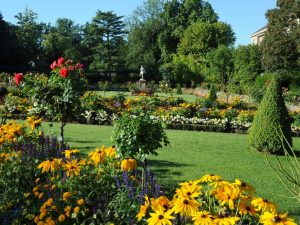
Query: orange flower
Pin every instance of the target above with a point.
(128, 164)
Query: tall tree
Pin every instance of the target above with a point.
(63, 40)
(145, 25)
(142, 48)
(280, 47)
(220, 66)
(199, 39)
(110, 30)
(10, 51)
(247, 65)
(29, 33)
(177, 16)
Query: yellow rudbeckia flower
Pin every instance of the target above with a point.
(160, 218)
(50, 165)
(276, 219)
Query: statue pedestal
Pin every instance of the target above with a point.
(142, 84)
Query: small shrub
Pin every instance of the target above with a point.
(178, 89)
(271, 116)
(138, 136)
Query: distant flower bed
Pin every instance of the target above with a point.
(176, 113)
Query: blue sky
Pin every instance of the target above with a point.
(245, 16)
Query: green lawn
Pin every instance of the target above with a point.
(192, 154)
(186, 97)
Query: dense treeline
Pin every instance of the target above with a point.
(181, 41)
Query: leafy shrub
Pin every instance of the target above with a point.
(210, 99)
(178, 89)
(271, 117)
(103, 85)
(165, 87)
(138, 136)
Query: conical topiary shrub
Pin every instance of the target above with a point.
(271, 128)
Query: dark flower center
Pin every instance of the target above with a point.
(160, 217)
(265, 200)
(248, 208)
(243, 184)
(185, 202)
(189, 193)
(211, 175)
(203, 216)
(165, 206)
(277, 219)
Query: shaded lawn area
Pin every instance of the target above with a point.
(193, 154)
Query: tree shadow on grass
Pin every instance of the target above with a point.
(162, 168)
(74, 140)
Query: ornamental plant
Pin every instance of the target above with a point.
(270, 119)
(138, 136)
(60, 95)
(211, 200)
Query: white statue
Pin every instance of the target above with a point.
(142, 72)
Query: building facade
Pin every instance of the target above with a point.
(258, 36)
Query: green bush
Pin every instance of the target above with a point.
(211, 100)
(178, 89)
(138, 136)
(270, 120)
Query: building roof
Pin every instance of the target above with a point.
(260, 30)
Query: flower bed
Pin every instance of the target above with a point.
(205, 114)
(42, 183)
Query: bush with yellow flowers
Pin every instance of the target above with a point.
(99, 189)
(21, 148)
(211, 200)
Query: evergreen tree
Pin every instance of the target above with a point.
(271, 128)
(106, 33)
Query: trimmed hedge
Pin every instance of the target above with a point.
(271, 128)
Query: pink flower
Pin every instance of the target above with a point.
(78, 66)
(71, 67)
(60, 61)
(18, 77)
(53, 65)
(64, 72)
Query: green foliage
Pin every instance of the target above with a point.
(258, 89)
(247, 66)
(177, 16)
(165, 87)
(103, 85)
(138, 136)
(280, 48)
(178, 89)
(270, 119)
(220, 66)
(105, 39)
(63, 40)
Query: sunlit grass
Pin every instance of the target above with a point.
(186, 97)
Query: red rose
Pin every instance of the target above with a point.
(18, 77)
(60, 61)
(64, 72)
